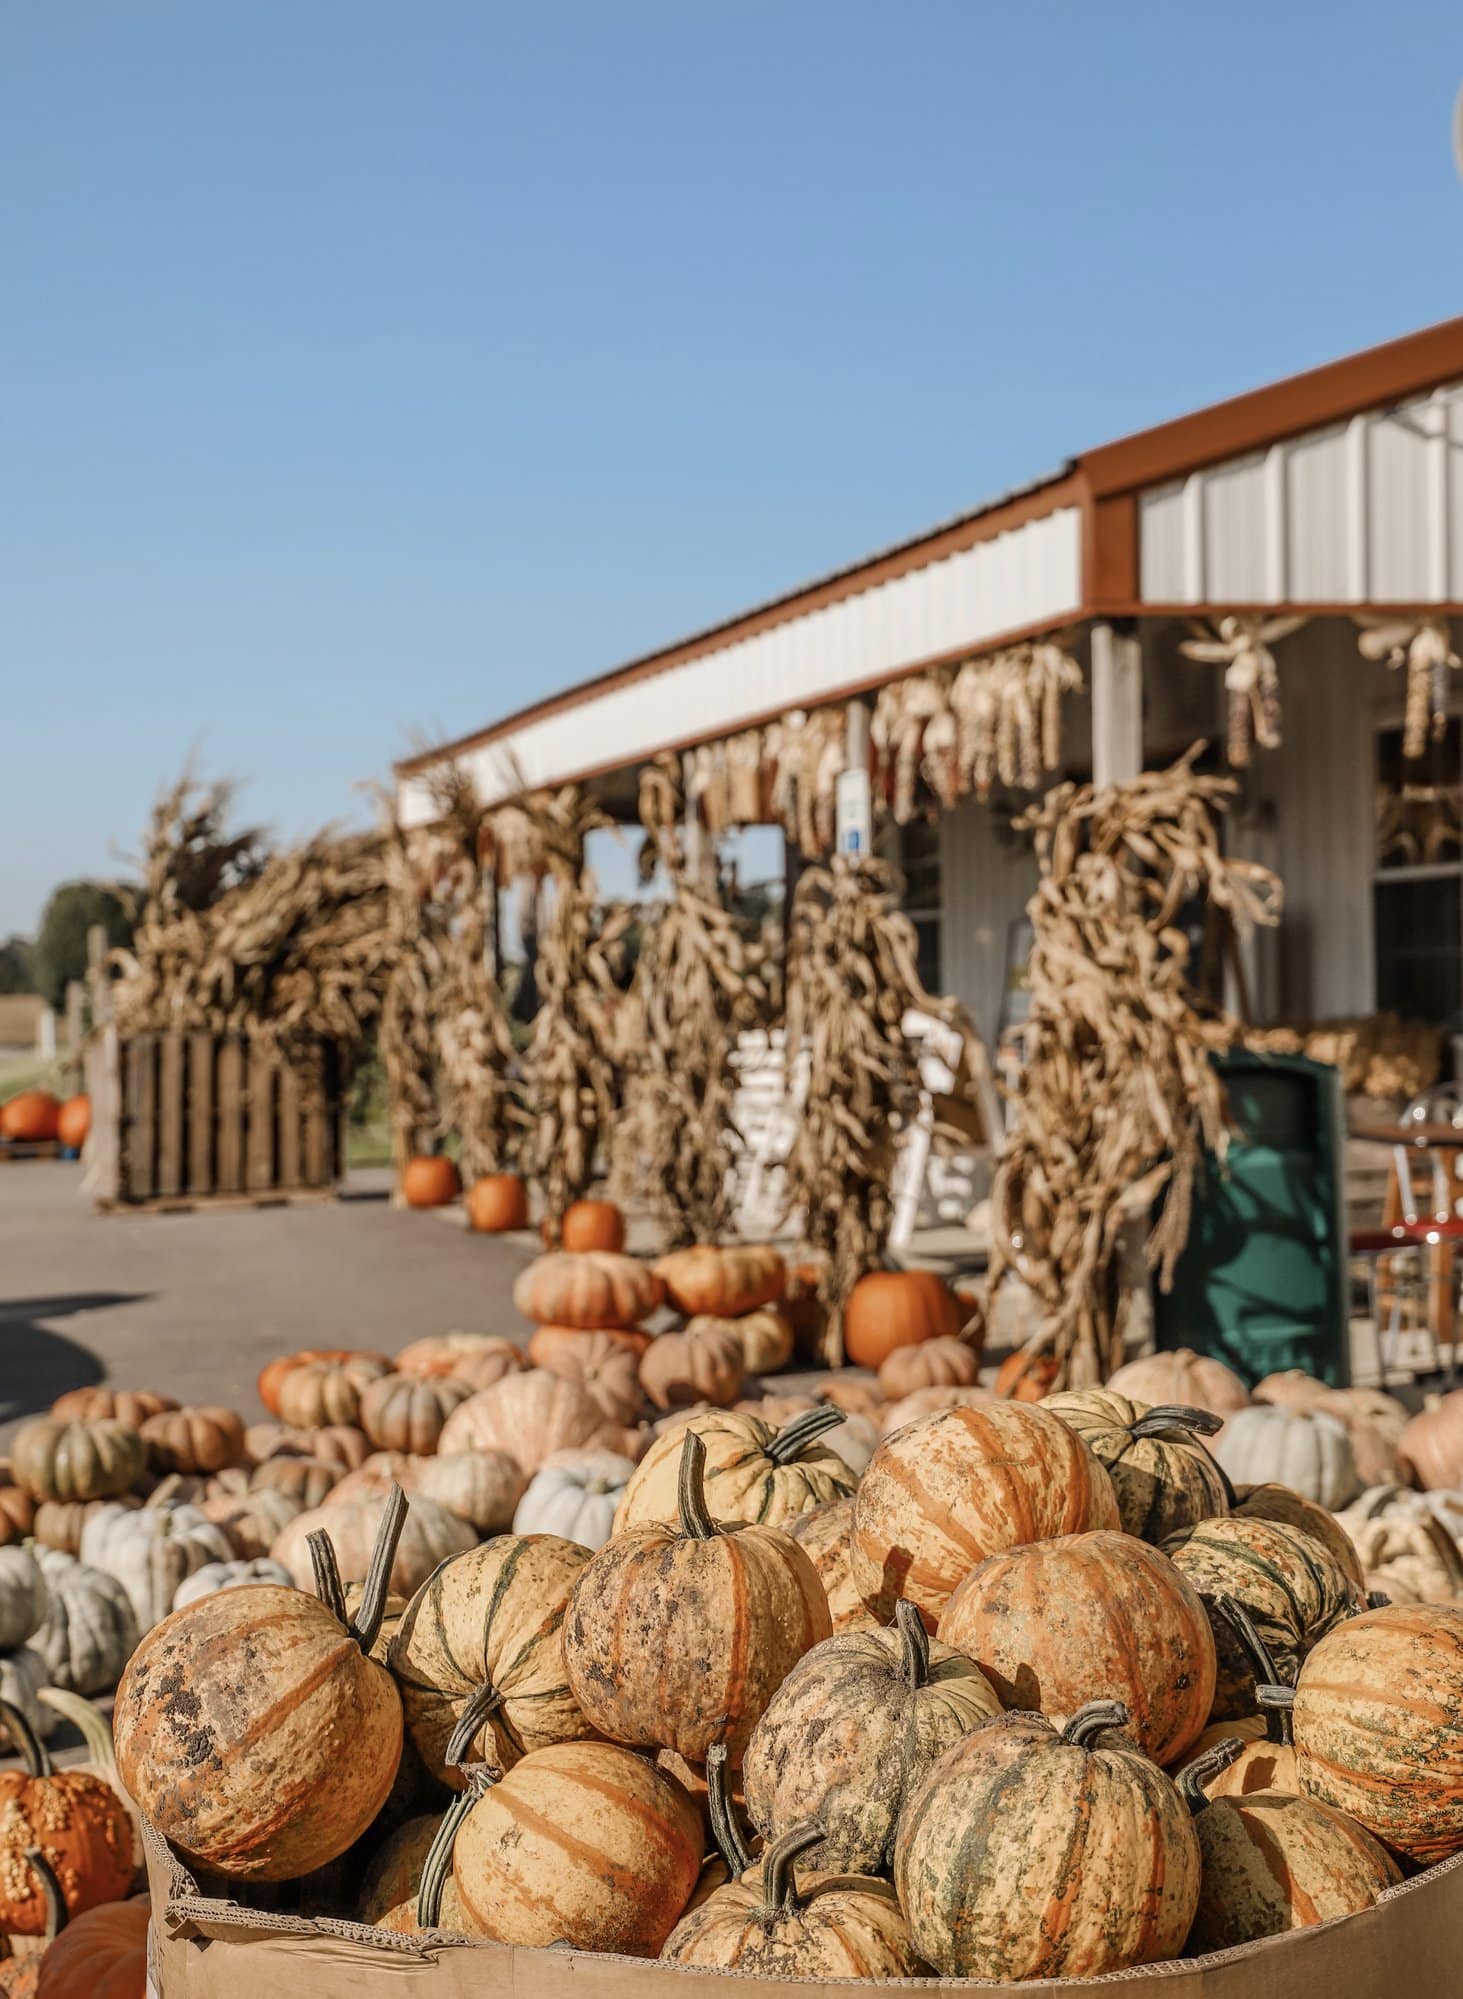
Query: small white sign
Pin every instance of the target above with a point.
(855, 803)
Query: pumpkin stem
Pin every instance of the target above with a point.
(1194, 1776)
(479, 1707)
(916, 1642)
(1267, 1674)
(1277, 1704)
(438, 1862)
(1377, 1599)
(166, 1491)
(793, 1437)
(32, 1749)
(695, 1515)
(1171, 1416)
(89, 1722)
(327, 1574)
(372, 1607)
(1090, 1721)
(724, 1828)
(56, 1910)
(779, 1884)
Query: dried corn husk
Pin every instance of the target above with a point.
(1241, 645)
(1425, 650)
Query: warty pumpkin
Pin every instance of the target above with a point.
(897, 1308)
(95, 1731)
(89, 1631)
(823, 1535)
(272, 1377)
(678, 1637)
(150, 1552)
(753, 1472)
(1183, 1378)
(76, 1461)
(428, 1535)
(430, 1180)
(946, 1491)
(325, 1393)
(1306, 1450)
(1431, 1446)
(131, 1406)
(701, 1363)
(255, 1730)
(479, 1359)
(1164, 1478)
(193, 1440)
(530, 1416)
(496, 1203)
(594, 1289)
(947, 1361)
(74, 1819)
(1278, 1502)
(722, 1283)
(592, 1225)
(574, 1494)
(852, 1731)
(101, 1955)
(402, 1412)
(608, 1371)
(19, 1976)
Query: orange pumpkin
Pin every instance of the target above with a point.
(131, 1406)
(193, 1440)
(17, 1514)
(479, 1359)
(549, 1340)
(1431, 1447)
(73, 1122)
(897, 1308)
(591, 1290)
(592, 1225)
(73, 1818)
(326, 1394)
(722, 1283)
(30, 1117)
(272, 1378)
(497, 1203)
(823, 1535)
(100, 1955)
(607, 1370)
(1023, 1377)
(431, 1180)
(943, 1362)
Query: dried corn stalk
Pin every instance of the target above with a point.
(1241, 645)
(1118, 1097)
(1426, 651)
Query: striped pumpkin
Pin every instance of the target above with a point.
(1260, 1749)
(823, 1535)
(678, 1637)
(1090, 1617)
(389, 1892)
(480, 1644)
(1291, 1509)
(946, 1491)
(1164, 1478)
(753, 1472)
(1379, 1726)
(593, 1289)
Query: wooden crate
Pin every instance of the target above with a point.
(186, 1119)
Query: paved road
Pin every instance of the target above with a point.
(195, 1304)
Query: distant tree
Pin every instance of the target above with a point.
(15, 965)
(59, 953)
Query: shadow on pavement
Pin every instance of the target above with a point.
(37, 1364)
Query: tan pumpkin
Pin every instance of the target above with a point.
(722, 1283)
(1182, 1379)
(393, 1880)
(1292, 1388)
(76, 1461)
(326, 1393)
(765, 1335)
(1100, 1616)
(1291, 1509)
(897, 1308)
(194, 1440)
(131, 1406)
(341, 1445)
(702, 1363)
(771, 1924)
(477, 1655)
(1164, 1478)
(479, 1359)
(608, 1371)
(753, 1472)
(678, 1637)
(1431, 1446)
(529, 1416)
(17, 1514)
(919, 1402)
(404, 1412)
(497, 1203)
(947, 1361)
(1260, 1749)
(1030, 1853)
(594, 1289)
(946, 1491)
(59, 1522)
(481, 1487)
(305, 1480)
(1375, 1423)
(1409, 1557)
(429, 1535)
(272, 1377)
(253, 1521)
(823, 1535)
(853, 1730)
(592, 1225)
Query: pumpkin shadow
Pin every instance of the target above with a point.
(37, 1363)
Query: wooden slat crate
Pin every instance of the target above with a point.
(183, 1120)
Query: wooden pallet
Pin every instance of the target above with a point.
(30, 1148)
(189, 1204)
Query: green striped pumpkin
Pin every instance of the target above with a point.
(1164, 1478)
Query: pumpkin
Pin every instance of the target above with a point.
(1024, 1377)
(1291, 1586)
(23, 1599)
(401, 1412)
(1306, 1450)
(592, 1225)
(480, 1487)
(1164, 1478)
(897, 1308)
(606, 1370)
(102, 1954)
(73, 1818)
(1408, 1556)
(1374, 1422)
(68, 1461)
(1379, 1726)
(131, 1406)
(594, 1289)
(1097, 1837)
(678, 1637)
(327, 1393)
(393, 1880)
(479, 1359)
(430, 1180)
(530, 1416)
(925, 1401)
(852, 1731)
(1260, 1755)
(1278, 1502)
(722, 1283)
(823, 1535)
(340, 1445)
(17, 1514)
(702, 1363)
(1274, 1862)
(194, 1440)
(30, 1117)
(73, 1122)
(772, 1925)
(496, 1203)
(855, 1440)
(61, 1523)
(90, 1628)
(1431, 1445)
(95, 1731)
(229, 1575)
(943, 1362)
(1097, 1615)
(428, 1536)
(946, 1491)
(765, 1336)
(273, 1376)
(574, 1495)
(19, 1976)
(150, 1552)
(252, 1521)
(753, 1472)
(477, 1655)
(22, 1680)
(1183, 1379)
(304, 1480)
(1292, 1388)
(546, 1341)
(255, 1730)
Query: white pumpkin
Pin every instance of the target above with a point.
(23, 1673)
(90, 1631)
(574, 1494)
(1304, 1449)
(1410, 1557)
(855, 1440)
(150, 1552)
(214, 1576)
(22, 1597)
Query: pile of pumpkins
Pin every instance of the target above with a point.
(34, 1117)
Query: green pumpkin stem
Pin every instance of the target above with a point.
(327, 1574)
(483, 1703)
(725, 1830)
(916, 1642)
(438, 1863)
(795, 1436)
(29, 1745)
(1267, 1674)
(1194, 1776)
(56, 1910)
(367, 1625)
(1277, 1704)
(1171, 1416)
(779, 1883)
(1377, 1599)
(89, 1722)
(1090, 1721)
(695, 1515)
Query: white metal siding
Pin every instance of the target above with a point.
(986, 883)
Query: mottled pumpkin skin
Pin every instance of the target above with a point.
(1292, 1509)
(1287, 1581)
(1164, 1484)
(945, 1492)
(389, 1891)
(255, 1735)
(1262, 1765)
(492, 1614)
(583, 1842)
(1090, 1617)
(724, 1283)
(1274, 1862)
(677, 1643)
(1024, 1856)
(841, 1926)
(1379, 1726)
(84, 1830)
(845, 1740)
(742, 1482)
(823, 1535)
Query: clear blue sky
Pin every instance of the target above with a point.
(378, 365)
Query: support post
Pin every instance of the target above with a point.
(1117, 702)
(856, 738)
(700, 854)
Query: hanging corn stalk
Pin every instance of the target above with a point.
(1118, 1097)
(1241, 645)
(1425, 650)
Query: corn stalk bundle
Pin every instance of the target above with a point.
(1425, 650)
(1118, 1097)
(1241, 645)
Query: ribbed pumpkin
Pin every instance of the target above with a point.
(1431, 1446)
(592, 1225)
(722, 1283)
(90, 1629)
(255, 1730)
(193, 1440)
(272, 1377)
(1026, 1377)
(150, 1551)
(305, 1480)
(765, 1336)
(607, 1371)
(1183, 1378)
(402, 1412)
(431, 1180)
(546, 1341)
(591, 1290)
(325, 1393)
(479, 1359)
(1164, 1478)
(60, 1523)
(131, 1406)
(428, 1536)
(574, 1494)
(73, 1818)
(928, 1401)
(252, 1521)
(1290, 1585)
(1408, 1555)
(1278, 1502)
(390, 1891)
(1090, 1616)
(477, 1654)
(701, 1363)
(530, 1416)
(944, 1492)
(678, 1637)
(1033, 1853)
(1379, 1726)
(753, 1472)
(943, 1362)
(897, 1308)
(1375, 1423)
(17, 1514)
(29, 1117)
(215, 1576)
(823, 1534)
(496, 1203)
(23, 1596)
(852, 1731)
(101, 1955)
(772, 1924)
(1273, 1862)
(1306, 1450)
(481, 1487)
(76, 1461)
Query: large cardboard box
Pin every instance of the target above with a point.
(1409, 1947)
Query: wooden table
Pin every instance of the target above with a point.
(1442, 1144)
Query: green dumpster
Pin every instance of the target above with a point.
(1263, 1282)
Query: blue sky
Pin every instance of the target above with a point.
(371, 366)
